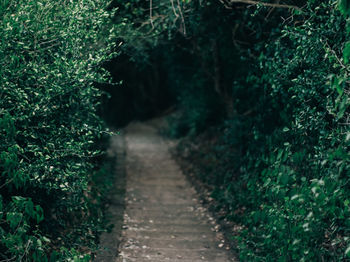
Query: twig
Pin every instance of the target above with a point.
(334, 53)
(271, 10)
(252, 2)
(150, 12)
(6, 183)
(173, 7)
(7, 260)
(26, 249)
(286, 20)
(182, 17)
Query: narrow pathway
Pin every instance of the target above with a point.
(163, 220)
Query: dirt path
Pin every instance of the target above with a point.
(163, 220)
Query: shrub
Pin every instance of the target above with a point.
(281, 166)
(51, 54)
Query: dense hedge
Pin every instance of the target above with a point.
(51, 56)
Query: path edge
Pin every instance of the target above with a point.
(227, 228)
(110, 242)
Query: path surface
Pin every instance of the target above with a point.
(163, 220)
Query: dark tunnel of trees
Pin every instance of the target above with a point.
(142, 93)
(258, 96)
(253, 84)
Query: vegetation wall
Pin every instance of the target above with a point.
(50, 175)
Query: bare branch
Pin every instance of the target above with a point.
(182, 17)
(229, 3)
(150, 12)
(334, 53)
(173, 7)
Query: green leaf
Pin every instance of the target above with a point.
(346, 52)
(344, 7)
(30, 208)
(14, 219)
(39, 214)
(347, 251)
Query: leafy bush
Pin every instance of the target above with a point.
(51, 54)
(299, 182)
(281, 165)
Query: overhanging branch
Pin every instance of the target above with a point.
(229, 3)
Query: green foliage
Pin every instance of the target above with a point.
(344, 7)
(301, 177)
(281, 164)
(51, 56)
(274, 81)
(199, 106)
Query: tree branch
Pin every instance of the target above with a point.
(150, 12)
(229, 3)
